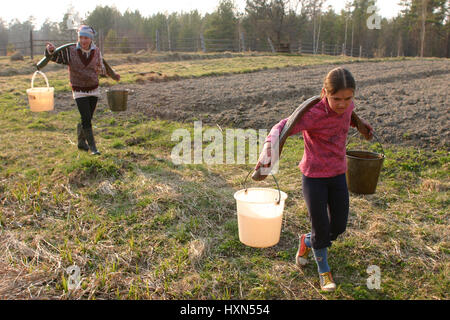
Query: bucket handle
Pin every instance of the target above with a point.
(34, 76)
(375, 136)
(279, 190)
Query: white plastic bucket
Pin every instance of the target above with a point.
(42, 98)
(260, 216)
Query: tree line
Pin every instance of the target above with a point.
(422, 28)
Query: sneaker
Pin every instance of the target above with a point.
(327, 282)
(301, 258)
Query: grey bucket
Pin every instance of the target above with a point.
(363, 170)
(118, 99)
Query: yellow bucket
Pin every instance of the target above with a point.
(41, 98)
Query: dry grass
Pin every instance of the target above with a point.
(432, 185)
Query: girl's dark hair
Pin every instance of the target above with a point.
(338, 79)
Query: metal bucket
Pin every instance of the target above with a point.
(363, 170)
(118, 99)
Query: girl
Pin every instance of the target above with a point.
(325, 127)
(85, 65)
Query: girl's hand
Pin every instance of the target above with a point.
(365, 129)
(50, 47)
(265, 157)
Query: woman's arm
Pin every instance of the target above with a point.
(60, 57)
(106, 70)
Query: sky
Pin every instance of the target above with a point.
(54, 10)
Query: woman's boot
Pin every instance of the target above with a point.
(82, 145)
(89, 134)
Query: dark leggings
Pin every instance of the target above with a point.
(327, 200)
(86, 106)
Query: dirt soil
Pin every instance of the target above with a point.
(407, 102)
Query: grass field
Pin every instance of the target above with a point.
(140, 227)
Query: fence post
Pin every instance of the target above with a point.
(242, 42)
(31, 44)
(101, 42)
(360, 52)
(271, 45)
(343, 49)
(168, 39)
(202, 40)
(323, 47)
(157, 41)
(300, 46)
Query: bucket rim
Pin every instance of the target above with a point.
(383, 156)
(118, 90)
(41, 88)
(284, 195)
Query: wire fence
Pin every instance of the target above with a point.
(126, 44)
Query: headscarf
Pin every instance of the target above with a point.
(87, 31)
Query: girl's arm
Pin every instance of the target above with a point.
(276, 130)
(305, 123)
(363, 126)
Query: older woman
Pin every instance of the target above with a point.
(85, 66)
